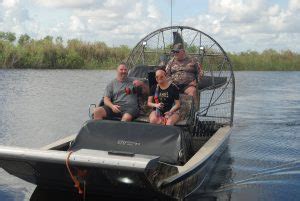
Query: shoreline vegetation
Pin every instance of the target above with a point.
(53, 53)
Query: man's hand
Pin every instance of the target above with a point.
(159, 105)
(193, 83)
(168, 114)
(116, 108)
(137, 83)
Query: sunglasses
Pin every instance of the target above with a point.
(175, 51)
(159, 77)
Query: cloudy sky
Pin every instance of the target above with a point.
(238, 25)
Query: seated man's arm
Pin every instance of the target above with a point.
(200, 71)
(193, 83)
(107, 102)
(198, 75)
(168, 67)
(108, 95)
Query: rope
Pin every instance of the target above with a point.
(76, 182)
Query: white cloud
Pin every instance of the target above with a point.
(136, 12)
(294, 5)
(14, 17)
(76, 25)
(205, 23)
(116, 22)
(65, 3)
(112, 21)
(255, 24)
(153, 11)
(238, 24)
(238, 10)
(274, 10)
(9, 3)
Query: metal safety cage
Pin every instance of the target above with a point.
(216, 88)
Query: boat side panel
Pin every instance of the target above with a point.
(197, 169)
(198, 177)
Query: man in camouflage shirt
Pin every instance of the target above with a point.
(184, 71)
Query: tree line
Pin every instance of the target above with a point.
(268, 60)
(53, 53)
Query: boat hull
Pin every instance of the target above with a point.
(98, 172)
(101, 173)
(197, 170)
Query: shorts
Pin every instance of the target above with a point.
(110, 114)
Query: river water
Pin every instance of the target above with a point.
(262, 161)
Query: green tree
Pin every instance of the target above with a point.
(73, 60)
(24, 39)
(48, 39)
(8, 36)
(58, 40)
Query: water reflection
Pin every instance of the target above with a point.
(8, 194)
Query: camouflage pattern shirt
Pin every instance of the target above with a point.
(182, 71)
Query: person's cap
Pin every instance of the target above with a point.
(177, 47)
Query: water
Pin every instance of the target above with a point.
(262, 161)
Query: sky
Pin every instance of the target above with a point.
(237, 25)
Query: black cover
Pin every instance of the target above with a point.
(131, 137)
(141, 71)
(177, 38)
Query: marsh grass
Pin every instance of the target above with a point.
(49, 53)
(268, 60)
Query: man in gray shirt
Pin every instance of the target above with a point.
(120, 97)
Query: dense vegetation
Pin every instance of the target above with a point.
(50, 53)
(268, 60)
(53, 53)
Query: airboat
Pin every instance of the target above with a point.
(138, 159)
